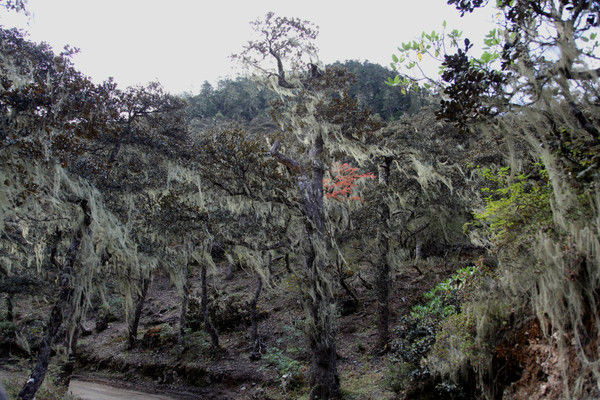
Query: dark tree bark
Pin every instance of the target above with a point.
(382, 289)
(324, 379)
(349, 306)
(66, 371)
(61, 304)
(254, 338)
(139, 306)
(208, 326)
(10, 315)
(50, 332)
(229, 271)
(185, 297)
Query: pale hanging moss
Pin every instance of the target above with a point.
(554, 272)
(43, 197)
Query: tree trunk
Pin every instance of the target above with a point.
(254, 339)
(50, 331)
(324, 379)
(61, 304)
(10, 315)
(185, 297)
(418, 250)
(139, 306)
(229, 271)
(66, 371)
(383, 309)
(288, 267)
(208, 326)
(382, 280)
(318, 298)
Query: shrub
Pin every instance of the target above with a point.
(108, 312)
(455, 347)
(289, 370)
(516, 207)
(416, 333)
(159, 336)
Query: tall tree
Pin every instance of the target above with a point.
(314, 116)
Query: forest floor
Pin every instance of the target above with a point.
(195, 370)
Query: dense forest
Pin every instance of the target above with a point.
(309, 231)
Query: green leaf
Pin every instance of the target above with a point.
(395, 58)
(444, 23)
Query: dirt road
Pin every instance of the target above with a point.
(98, 391)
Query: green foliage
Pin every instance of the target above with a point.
(516, 207)
(371, 91)
(416, 334)
(111, 310)
(7, 329)
(51, 388)
(240, 99)
(432, 47)
(198, 343)
(289, 370)
(442, 298)
(243, 100)
(400, 376)
(455, 346)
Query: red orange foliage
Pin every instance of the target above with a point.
(343, 182)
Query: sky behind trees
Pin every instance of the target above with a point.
(182, 43)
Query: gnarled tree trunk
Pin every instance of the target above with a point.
(9, 308)
(324, 379)
(254, 338)
(139, 306)
(382, 289)
(208, 326)
(185, 297)
(61, 304)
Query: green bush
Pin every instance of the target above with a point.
(515, 206)
(416, 333)
(455, 346)
(111, 311)
(7, 329)
(289, 370)
(442, 300)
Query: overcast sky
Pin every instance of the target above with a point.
(182, 43)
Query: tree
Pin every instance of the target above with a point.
(60, 130)
(15, 5)
(283, 38)
(535, 89)
(320, 121)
